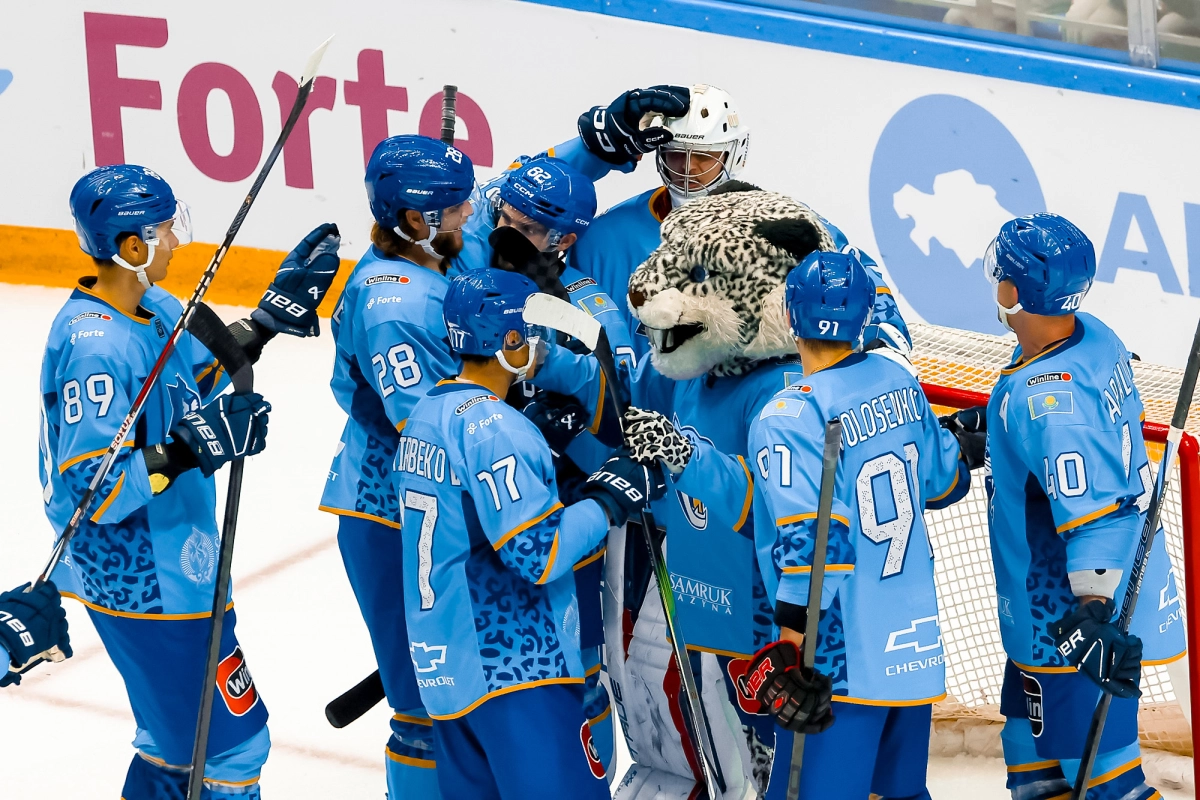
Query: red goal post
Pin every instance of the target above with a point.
(957, 370)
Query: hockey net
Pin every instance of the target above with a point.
(958, 368)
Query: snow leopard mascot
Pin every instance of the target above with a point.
(711, 301)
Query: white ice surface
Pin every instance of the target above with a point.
(66, 731)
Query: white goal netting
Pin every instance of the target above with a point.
(966, 583)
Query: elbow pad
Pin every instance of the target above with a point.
(1098, 582)
(166, 462)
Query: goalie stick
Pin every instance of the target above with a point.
(829, 462)
(367, 693)
(139, 402)
(1187, 390)
(212, 333)
(559, 315)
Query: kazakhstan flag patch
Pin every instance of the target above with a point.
(597, 304)
(1045, 403)
(782, 407)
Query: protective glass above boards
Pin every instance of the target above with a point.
(1149, 33)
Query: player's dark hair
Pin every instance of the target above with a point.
(825, 346)
(389, 242)
(470, 358)
(108, 262)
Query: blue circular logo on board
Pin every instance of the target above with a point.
(945, 176)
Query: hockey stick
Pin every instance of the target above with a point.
(212, 333)
(1187, 390)
(367, 693)
(106, 463)
(559, 315)
(829, 462)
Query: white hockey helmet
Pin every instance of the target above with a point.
(712, 125)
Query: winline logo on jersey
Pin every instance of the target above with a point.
(236, 683)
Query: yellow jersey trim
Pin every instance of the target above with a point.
(595, 426)
(400, 425)
(341, 512)
(90, 293)
(1115, 773)
(882, 290)
(549, 561)
(695, 648)
(1020, 365)
(953, 483)
(204, 372)
(423, 763)
(1086, 518)
(1044, 670)
(592, 558)
(70, 462)
(132, 615)
(828, 568)
(1034, 767)
(507, 690)
(1161, 662)
(654, 199)
(603, 715)
(108, 501)
(749, 501)
(526, 525)
(794, 518)
(590, 671)
(426, 721)
(862, 701)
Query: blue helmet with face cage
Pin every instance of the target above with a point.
(483, 310)
(553, 194)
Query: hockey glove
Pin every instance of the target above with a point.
(651, 437)
(558, 417)
(969, 426)
(290, 304)
(1088, 640)
(232, 426)
(615, 135)
(33, 625)
(624, 487)
(799, 698)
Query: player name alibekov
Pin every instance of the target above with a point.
(881, 414)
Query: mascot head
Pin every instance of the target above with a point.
(711, 295)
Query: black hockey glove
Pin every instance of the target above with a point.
(623, 487)
(1088, 640)
(33, 625)
(558, 417)
(800, 699)
(290, 303)
(614, 134)
(232, 426)
(969, 426)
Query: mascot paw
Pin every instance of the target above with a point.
(651, 436)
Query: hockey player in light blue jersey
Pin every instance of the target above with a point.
(144, 561)
(488, 555)
(1068, 489)
(391, 349)
(879, 656)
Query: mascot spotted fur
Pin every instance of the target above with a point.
(711, 300)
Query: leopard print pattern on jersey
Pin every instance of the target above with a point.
(376, 489)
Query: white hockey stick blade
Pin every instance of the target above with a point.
(314, 61)
(559, 315)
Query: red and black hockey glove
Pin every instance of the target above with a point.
(799, 698)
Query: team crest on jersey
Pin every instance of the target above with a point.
(374, 279)
(184, 399)
(1033, 703)
(236, 683)
(198, 558)
(693, 510)
(1047, 377)
(1044, 403)
(589, 750)
(89, 315)
(474, 401)
(580, 284)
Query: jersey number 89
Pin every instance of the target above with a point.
(99, 388)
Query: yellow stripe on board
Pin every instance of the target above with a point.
(51, 257)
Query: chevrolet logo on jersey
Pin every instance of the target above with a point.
(1044, 403)
(921, 636)
(427, 658)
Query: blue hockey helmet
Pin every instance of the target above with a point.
(1050, 261)
(829, 296)
(553, 194)
(483, 314)
(111, 202)
(416, 172)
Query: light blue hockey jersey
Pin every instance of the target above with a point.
(391, 349)
(489, 591)
(879, 635)
(719, 595)
(137, 553)
(1069, 485)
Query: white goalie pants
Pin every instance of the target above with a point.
(645, 688)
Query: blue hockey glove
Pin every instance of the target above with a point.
(799, 698)
(558, 417)
(232, 426)
(290, 304)
(33, 625)
(969, 426)
(1089, 641)
(614, 134)
(623, 486)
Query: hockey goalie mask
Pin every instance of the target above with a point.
(709, 296)
(709, 147)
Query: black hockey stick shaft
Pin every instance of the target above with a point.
(367, 693)
(210, 272)
(212, 333)
(1183, 403)
(705, 754)
(449, 99)
(829, 463)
